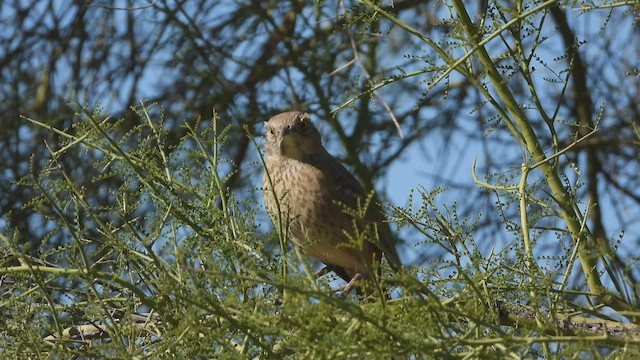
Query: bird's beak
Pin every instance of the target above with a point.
(288, 144)
(282, 135)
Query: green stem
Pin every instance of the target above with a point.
(523, 130)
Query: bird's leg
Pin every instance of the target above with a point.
(347, 289)
(323, 271)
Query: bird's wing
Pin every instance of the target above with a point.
(348, 188)
(348, 191)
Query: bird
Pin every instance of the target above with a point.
(306, 190)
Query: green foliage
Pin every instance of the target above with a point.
(170, 263)
(175, 267)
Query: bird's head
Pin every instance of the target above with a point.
(291, 134)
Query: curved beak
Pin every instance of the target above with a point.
(282, 135)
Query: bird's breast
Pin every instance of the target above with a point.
(306, 199)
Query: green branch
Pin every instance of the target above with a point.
(523, 130)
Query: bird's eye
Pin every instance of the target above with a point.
(304, 124)
(271, 133)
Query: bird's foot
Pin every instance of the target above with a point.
(322, 271)
(350, 285)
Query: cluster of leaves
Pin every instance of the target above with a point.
(147, 250)
(178, 268)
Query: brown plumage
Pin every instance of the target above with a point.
(310, 185)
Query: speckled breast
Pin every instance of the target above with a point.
(307, 203)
